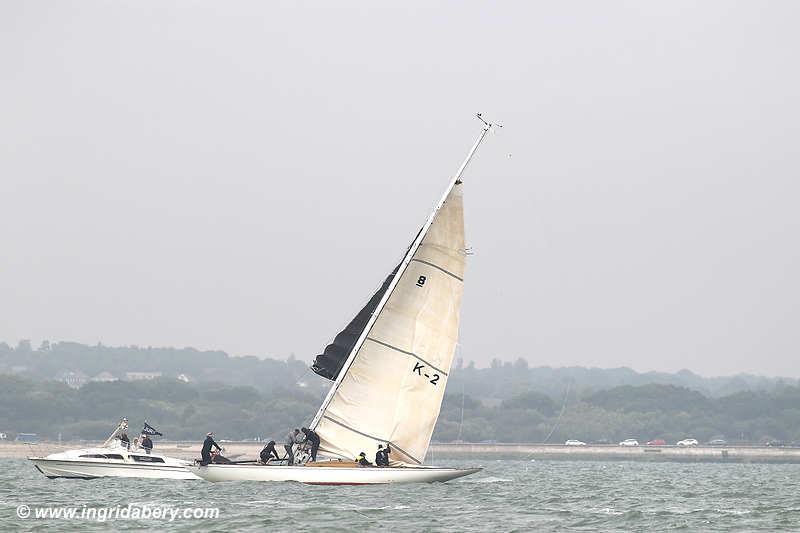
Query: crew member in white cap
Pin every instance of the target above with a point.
(206, 451)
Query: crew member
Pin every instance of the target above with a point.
(362, 460)
(205, 453)
(292, 438)
(122, 433)
(313, 438)
(268, 452)
(382, 455)
(124, 440)
(147, 444)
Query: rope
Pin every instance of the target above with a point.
(563, 408)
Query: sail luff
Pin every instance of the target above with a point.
(399, 273)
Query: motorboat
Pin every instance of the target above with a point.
(112, 461)
(115, 458)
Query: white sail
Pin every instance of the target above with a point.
(393, 389)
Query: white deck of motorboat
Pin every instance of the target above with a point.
(112, 461)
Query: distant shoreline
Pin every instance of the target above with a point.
(438, 451)
(693, 454)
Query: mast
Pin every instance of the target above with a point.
(400, 270)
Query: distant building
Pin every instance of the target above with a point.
(75, 380)
(30, 438)
(141, 376)
(103, 377)
(184, 378)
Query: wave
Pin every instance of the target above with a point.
(734, 511)
(486, 480)
(606, 510)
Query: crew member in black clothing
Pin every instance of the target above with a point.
(147, 444)
(362, 460)
(382, 455)
(313, 438)
(205, 453)
(268, 452)
(124, 440)
(122, 432)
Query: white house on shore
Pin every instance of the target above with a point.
(141, 376)
(75, 380)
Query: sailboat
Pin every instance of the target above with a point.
(389, 366)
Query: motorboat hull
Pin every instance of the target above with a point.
(86, 470)
(333, 475)
(115, 461)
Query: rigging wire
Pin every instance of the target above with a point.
(563, 408)
(461, 425)
(560, 414)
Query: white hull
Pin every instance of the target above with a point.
(113, 461)
(85, 470)
(321, 475)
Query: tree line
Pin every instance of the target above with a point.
(50, 361)
(644, 412)
(500, 381)
(186, 411)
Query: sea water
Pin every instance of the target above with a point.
(508, 495)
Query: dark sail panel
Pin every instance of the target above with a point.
(329, 363)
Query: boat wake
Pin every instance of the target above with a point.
(486, 480)
(259, 503)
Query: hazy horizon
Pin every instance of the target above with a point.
(242, 176)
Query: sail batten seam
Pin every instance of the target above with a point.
(412, 354)
(437, 267)
(388, 442)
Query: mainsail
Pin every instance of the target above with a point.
(392, 361)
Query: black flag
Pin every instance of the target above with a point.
(150, 430)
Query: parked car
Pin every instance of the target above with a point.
(629, 442)
(718, 442)
(573, 442)
(687, 442)
(657, 442)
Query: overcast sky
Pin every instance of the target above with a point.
(242, 175)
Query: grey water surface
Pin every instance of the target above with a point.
(508, 495)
